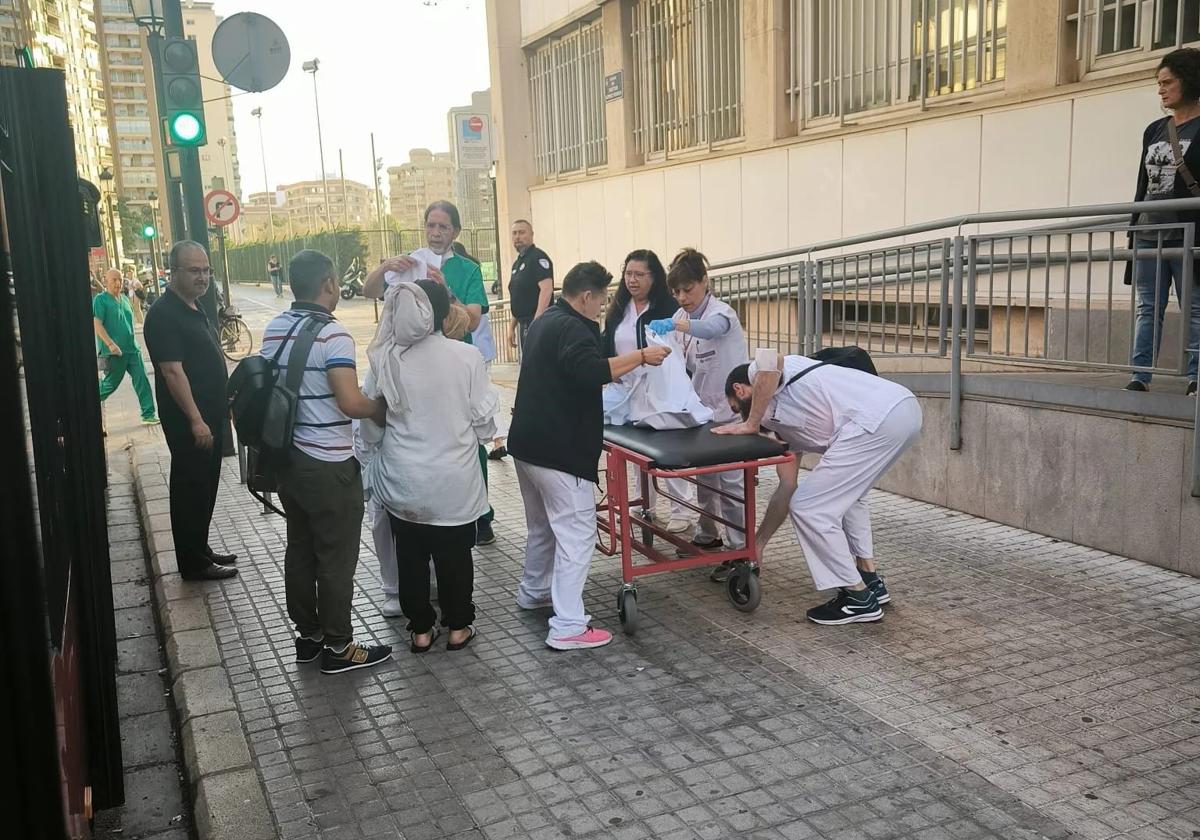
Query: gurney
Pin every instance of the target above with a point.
(684, 454)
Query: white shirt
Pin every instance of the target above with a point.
(625, 338)
(710, 360)
(828, 403)
(427, 470)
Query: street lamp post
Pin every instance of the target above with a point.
(106, 175)
(312, 67)
(156, 243)
(257, 112)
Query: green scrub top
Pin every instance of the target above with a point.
(116, 314)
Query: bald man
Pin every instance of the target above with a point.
(112, 317)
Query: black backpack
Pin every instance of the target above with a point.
(851, 356)
(264, 406)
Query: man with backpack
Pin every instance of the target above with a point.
(860, 424)
(320, 484)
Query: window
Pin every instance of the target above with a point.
(1114, 32)
(687, 74)
(566, 78)
(848, 57)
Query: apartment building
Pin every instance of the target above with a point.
(426, 177)
(302, 207)
(748, 127)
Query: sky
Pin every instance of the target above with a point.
(392, 67)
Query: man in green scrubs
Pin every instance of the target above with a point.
(112, 317)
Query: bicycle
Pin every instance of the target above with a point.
(237, 342)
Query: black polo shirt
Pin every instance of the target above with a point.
(175, 332)
(529, 269)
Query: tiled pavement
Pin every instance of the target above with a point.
(1019, 687)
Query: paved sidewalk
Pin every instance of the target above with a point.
(1019, 687)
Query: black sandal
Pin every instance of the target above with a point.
(415, 648)
(460, 645)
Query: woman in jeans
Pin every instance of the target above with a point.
(426, 475)
(1178, 80)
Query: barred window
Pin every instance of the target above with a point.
(687, 74)
(1113, 32)
(851, 57)
(566, 78)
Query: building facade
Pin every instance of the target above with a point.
(746, 128)
(305, 209)
(426, 177)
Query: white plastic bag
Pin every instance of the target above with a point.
(663, 397)
(616, 402)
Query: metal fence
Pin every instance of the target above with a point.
(687, 74)
(1053, 296)
(1109, 32)
(852, 56)
(566, 81)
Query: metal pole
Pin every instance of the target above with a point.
(496, 234)
(345, 203)
(224, 264)
(321, 150)
(956, 346)
(266, 182)
(378, 217)
(112, 223)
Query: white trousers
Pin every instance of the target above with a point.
(560, 515)
(829, 508)
(680, 487)
(714, 503)
(385, 548)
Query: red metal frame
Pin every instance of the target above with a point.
(616, 517)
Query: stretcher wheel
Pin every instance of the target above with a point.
(627, 611)
(743, 589)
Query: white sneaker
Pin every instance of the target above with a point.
(391, 608)
(678, 526)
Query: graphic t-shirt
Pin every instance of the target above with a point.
(1161, 172)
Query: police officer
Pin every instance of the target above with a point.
(531, 285)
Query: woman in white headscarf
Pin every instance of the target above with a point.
(426, 475)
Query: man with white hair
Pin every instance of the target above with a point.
(112, 319)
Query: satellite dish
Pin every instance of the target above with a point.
(251, 52)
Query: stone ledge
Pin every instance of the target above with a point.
(229, 801)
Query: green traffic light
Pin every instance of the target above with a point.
(149, 232)
(187, 129)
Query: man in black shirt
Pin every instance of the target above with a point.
(556, 438)
(189, 379)
(531, 286)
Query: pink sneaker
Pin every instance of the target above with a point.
(589, 638)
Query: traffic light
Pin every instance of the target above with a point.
(183, 103)
(148, 232)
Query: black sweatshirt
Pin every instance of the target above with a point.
(558, 419)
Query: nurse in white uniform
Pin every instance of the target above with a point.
(860, 424)
(713, 344)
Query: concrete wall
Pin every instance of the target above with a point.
(1117, 484)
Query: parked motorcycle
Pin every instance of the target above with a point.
(352, 281)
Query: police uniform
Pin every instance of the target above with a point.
(528, 270)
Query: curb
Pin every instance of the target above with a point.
(228, 798)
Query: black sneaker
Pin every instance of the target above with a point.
(307, 650)
(847, 608)
(721, 573)
(498, 453)
(1191, 389)
(875, 583)
(355, 656)
(1137, 385)
(484, 535)
(714, 544)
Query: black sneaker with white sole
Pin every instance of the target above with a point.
(307, 650)
(875, 583)
(847, 608)
(353, 657)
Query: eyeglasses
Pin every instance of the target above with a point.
(438, 226)
(196, 272)
(637, 275)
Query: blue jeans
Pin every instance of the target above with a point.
(1153, 287)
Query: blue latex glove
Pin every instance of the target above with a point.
(662, 326)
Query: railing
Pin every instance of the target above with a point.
(566, 82)
(1051, 296)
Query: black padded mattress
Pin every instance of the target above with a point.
(688, 448)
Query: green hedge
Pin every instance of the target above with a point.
(248, 260)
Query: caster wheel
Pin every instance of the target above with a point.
(627, 610)
(743, 589)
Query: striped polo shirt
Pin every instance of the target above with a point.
(322, 430)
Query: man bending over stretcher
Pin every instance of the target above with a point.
(860, 424)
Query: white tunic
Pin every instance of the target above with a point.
(709, 361)
(815, 411)
(625, 337)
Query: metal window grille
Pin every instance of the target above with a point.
(566, 79)
(1130, 28)
(853, 55)
(687, 74)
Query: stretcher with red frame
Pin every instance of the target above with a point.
(624, 517)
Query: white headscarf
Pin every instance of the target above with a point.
(407, 319)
